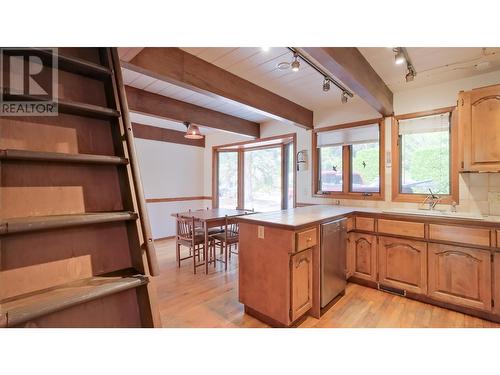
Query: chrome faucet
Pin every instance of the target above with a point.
(432, 200)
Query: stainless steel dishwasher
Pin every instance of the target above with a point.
(333, 260)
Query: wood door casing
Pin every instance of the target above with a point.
(403, 264)
(365, 256)
(301, 283)
(460, 275)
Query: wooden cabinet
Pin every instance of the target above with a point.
(350, 255)
(301, 284)
(403, 264)
(496, 282)
(460, 275)
(365, 256)
(479, 129)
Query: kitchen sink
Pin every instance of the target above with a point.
(436, 213)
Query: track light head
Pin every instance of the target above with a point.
(326, 85)
(295, 63)
(399, 57)
(344, 97)
(410, 76)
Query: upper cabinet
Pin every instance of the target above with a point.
(479, 124)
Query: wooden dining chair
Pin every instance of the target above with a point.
(188, 236)
(225, 240)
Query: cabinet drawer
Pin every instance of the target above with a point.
(466, 235)
(498, 239)
(365, 223)
(401, 228)
(306, 239)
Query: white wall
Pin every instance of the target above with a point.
(170, 170)
(477, 192)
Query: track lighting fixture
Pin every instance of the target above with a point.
(326, 85)
(345, 96)
(328, 80)
(295, 63)
(399, 57)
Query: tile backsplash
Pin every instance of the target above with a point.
(480, 192)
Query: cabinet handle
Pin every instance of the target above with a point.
(309, 239)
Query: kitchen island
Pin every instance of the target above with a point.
(449, 262)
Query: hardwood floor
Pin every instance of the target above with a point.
(187, 300)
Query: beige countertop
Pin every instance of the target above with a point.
(300, 217)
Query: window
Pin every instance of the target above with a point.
(331, 168)
(422, 145)
(228, 179)
(258, 175)
(365, 168)
(348, 162)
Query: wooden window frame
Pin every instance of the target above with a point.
(397, 196)
(240, 148)
(346, 164)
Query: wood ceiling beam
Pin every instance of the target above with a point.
(178, 67)
(145, 102)
(155, 133)
(350, 66)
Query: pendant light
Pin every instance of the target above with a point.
(295, 63)
(193, 132)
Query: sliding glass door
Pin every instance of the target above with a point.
(227, 178)
(262, 179)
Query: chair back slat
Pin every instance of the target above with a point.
(185, 228)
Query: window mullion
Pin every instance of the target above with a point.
(346, 169)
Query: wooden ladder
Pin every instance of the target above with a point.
(75, 242)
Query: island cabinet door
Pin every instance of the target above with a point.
(365, 256)
(460, 275)
(301, 284)
(350, 256)
(496, 282)
(403, 264)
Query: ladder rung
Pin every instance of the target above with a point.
(24, 308)
(68, 63)
(11, 154)
(70, 107)
(35, 223)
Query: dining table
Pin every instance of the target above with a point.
(211, 218)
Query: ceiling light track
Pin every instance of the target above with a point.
(327, 78)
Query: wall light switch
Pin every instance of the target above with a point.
(260, 231)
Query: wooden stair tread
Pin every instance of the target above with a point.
(29, 224)
(13, 154)
(24, 308)
(72, 64)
